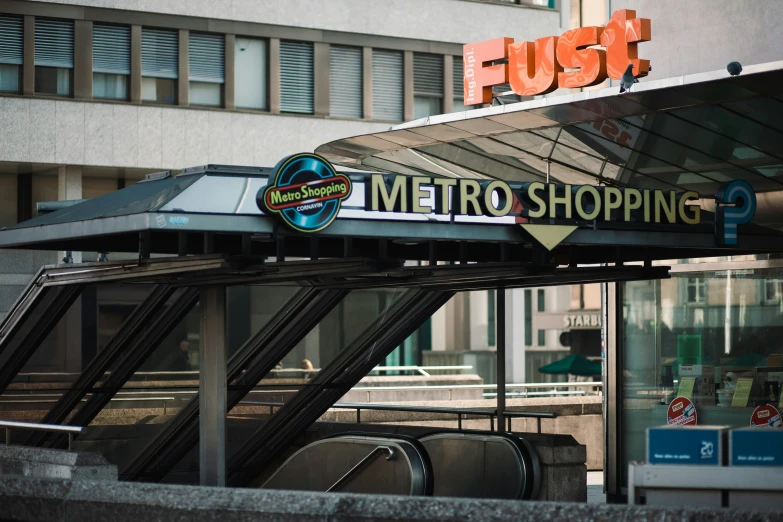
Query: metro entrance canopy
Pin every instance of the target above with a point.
(471, 189)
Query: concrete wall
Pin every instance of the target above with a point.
(17, 268)
(455, 21)
(705, 35)
(119, 135)
(34, 500)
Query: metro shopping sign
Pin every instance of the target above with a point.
(578, 58)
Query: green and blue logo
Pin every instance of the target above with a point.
(305, 191)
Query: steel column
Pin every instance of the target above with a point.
(500, 321)
(212, 386)
(382, 336)
(98, 366)
(245, 369)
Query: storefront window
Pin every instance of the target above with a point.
(713, 337)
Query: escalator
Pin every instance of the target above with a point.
(442, 464)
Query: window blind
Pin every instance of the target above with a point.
(11, 39)
(427, 74)
(159, 53)
(387, 86)
(206, 55)
(458, 76)
(296, 77)
(345, 83)
(54, 43)
(111, 49)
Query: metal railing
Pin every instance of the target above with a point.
(70, 430)
(421, 370)
(461, 413)
(525, 386)
(389, 456)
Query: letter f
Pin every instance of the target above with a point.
(485, 76)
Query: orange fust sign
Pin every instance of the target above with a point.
(540, 67)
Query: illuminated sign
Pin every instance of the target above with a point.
(540, 67)
(391, 193)
(571, 204)
(305, 192)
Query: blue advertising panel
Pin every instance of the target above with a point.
(688, 445)
(756, 447)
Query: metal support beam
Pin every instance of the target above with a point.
(212, 386)
(389, 330)
(132, 358)
(35, 315)
(500, 321)
(130, 329)
(247, 367)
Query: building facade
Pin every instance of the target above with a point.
(95, 95)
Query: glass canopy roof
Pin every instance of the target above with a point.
(690, 133)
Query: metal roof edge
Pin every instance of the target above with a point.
(687, 79)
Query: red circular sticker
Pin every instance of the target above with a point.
(681, 412)
(766, 416)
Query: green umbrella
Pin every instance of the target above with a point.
(574, 364)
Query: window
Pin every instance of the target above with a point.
(772, 291)
(387, 87)
(541, 300)
(505, 99)
(345, 82)
(53, 56)
(296, 77)
(697, 289)
(427, 85)
(159, 65)
(250, 73)
(11, 52)
(110, 61)
(206, 56)
(542, 338)
(491, 321)
(528, 318)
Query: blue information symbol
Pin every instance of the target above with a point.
(735, 204)
(305, 192)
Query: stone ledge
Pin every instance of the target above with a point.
(34, 500)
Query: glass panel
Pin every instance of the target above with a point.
(10, 77)
(424, 106)
(202, 93)
(159, 90)
(112, 86)
(51, 80)
(250, 73)
(83, 332)
(708, 328)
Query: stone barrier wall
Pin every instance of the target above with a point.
(34, 500)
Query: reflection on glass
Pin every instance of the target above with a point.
(53, 80)
(10, 77)
(111, 86)
(159, 90)
(714, 327)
